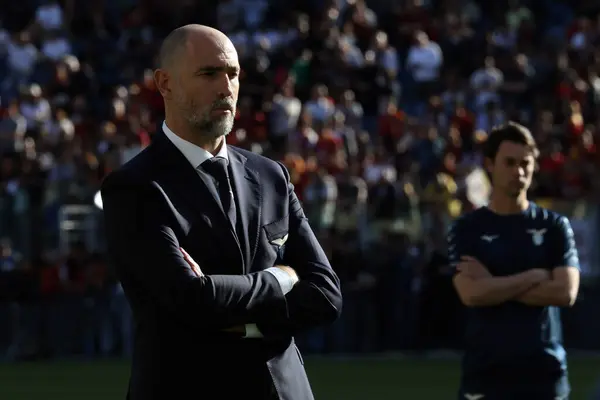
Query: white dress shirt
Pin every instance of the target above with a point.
(196, 156)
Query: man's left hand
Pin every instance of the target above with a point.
(193, 264)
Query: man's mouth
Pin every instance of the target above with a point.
(223, 106)
(222, 110)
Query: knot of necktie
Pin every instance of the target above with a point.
(217, 167)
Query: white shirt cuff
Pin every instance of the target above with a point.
(286, 281)
(252, 331)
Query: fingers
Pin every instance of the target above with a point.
(185, 255)
(462, 267)
(467, 263)
(193, 265)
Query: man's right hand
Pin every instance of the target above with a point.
(289, 270)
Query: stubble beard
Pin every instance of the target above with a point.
(204, 125)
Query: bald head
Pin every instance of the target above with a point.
(198, 77)
(176, 42)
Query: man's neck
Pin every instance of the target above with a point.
(505, 205)
(213, 146)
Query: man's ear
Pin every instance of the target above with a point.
(163, 82)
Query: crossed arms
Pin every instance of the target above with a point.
(148, 257)
(476, 287)
(558, 286)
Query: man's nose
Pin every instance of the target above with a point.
(225, 86)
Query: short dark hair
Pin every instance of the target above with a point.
(509, 132)
(171, 46)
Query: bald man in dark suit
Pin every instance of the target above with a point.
(211, 245)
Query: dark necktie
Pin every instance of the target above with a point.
(217, 168)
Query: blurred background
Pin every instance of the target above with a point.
(377, 108)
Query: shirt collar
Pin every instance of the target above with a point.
(194, 154)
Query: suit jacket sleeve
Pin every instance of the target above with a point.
(145, 250)
(316, 299)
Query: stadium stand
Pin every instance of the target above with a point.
(377, 110)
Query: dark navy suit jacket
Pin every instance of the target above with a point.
(156, 204)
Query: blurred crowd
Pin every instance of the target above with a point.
(377, 108)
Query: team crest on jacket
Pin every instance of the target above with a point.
(537, 235)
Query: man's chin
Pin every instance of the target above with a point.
(216, 128)
(515, 192)
(214, 134)
(222, 128)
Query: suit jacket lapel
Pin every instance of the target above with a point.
(189, 186)
(248, 198)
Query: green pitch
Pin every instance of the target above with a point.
(377, 379)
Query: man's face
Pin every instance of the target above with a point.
(205, 87)
(512, 169)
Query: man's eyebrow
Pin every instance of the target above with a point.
(214, 68)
